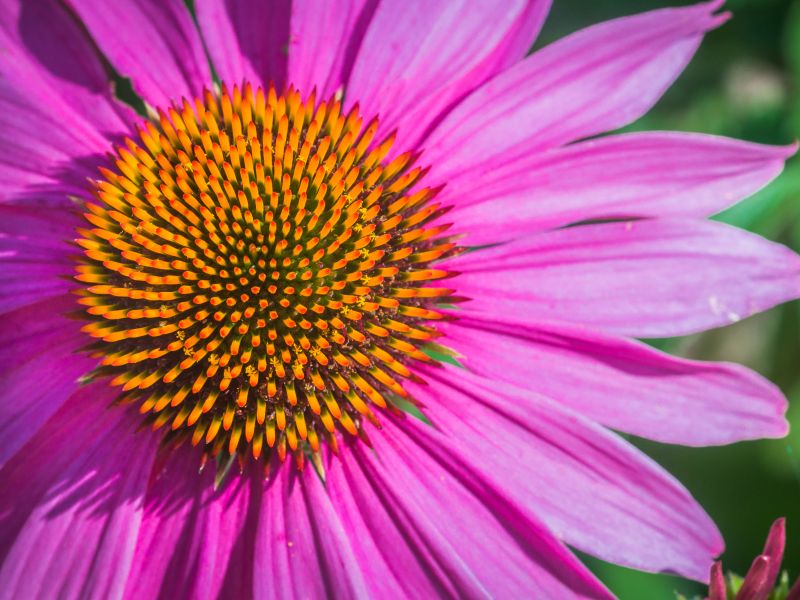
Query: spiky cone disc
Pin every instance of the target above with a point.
(258, 274)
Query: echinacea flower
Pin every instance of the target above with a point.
(760, 581)
(208, 348)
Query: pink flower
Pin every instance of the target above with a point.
(257, 272)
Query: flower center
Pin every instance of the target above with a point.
(258, 274)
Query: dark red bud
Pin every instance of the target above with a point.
(716, 588)
(755, 586)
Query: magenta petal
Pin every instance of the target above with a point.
(195, 542)
(154, 43)
(301, 543)
(650, 278)
(45, 48)
(247, 39)
(274, 538)
(387, 575)
(623, 384)
(619, 176)
(417, 59)
(420, 527)
(71, 502)
(39, 369)
(34, 257)
(310, 45)
(325, 37)
(595, 491)
(57, 111)
(593, 81)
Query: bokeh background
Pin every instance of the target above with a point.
(742, 83)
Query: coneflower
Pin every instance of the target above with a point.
(208, 350)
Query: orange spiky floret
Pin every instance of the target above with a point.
(258, 274)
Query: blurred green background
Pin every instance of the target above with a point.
(742, 83)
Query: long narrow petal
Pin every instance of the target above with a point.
(302, 549)
(420, 527)
(620, 176)
(32, 340)
(274, 538)
(44, 45)
(34, 257)
(418, 59)
(590, 82)
(247, 39)
(650, 278)
(311, 45)
(34, 334)
(623, 384)
(325, 38)
(155, 43)
(594, 490)
(57, 111)
(195, 541)
(71, 502)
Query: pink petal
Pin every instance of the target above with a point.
(593, 81)
(71, 502)
(301, 543)
(195, 542)
(247, 39)
(241, 540)
(619, 176)
(154, 43)
(650, 278)
(372, 533)
(421, 527)
(623, 384)
(32, 340)
(596, 492)
(418, 59)
(325, 38)
(34, 258)
(45, 47)
(57, 111)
